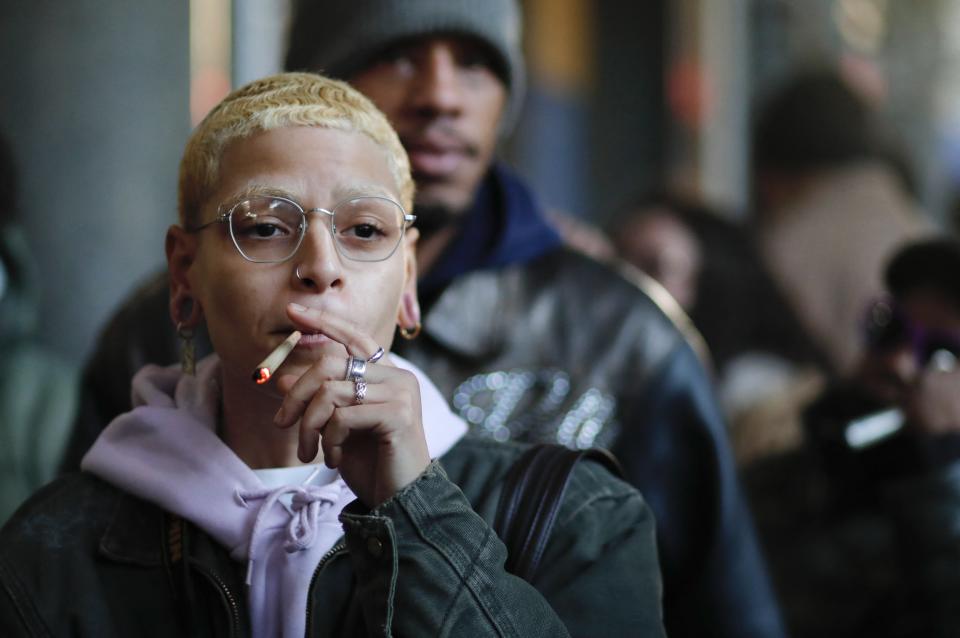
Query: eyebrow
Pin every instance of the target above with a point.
(356, 190)
(368, 189)
(255, 190)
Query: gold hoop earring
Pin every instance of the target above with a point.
(188, 353)
(410, 333)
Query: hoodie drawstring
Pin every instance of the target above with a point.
(308, 504)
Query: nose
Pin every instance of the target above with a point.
(317, 264)
(437, 89)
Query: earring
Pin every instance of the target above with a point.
(410, 333)
(188, 354)
(181, 306)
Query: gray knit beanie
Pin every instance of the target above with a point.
(339, 37)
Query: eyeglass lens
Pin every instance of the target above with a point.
(270, 229)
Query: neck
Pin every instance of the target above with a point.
(247, 426)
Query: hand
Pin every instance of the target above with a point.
(379, 446)
(933, 403)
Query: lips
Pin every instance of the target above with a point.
(437, 155)
(315, 339)
(435, 163)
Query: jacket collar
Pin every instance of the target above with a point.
(471, 314)
(505, 225)
(132, 535)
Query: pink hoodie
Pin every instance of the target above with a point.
(166, 451)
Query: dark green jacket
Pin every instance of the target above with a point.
(84, 559)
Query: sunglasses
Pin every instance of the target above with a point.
(888, 328)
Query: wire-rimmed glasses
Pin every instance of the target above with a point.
(269, 229)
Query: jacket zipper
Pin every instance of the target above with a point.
(234, 607)
(338, 548)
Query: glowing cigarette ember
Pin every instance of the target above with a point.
(268, 366)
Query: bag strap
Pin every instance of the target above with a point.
(532, 492)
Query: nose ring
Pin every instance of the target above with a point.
(297, 273)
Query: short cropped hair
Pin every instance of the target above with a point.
(929, 264)
(281, 101)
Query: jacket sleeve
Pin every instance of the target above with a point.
(17, 616)
(674, 449)
(428, 565)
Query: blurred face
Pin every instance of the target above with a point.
(445, 101)
(924, 322)
(243, 302)
(661, 246)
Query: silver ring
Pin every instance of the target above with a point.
(297, 273)
(376, 356)
(356, 368)
(359, 390)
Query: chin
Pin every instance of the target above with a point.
(445, 196)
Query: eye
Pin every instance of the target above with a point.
(266, 229)
(476, 58)
(262, 227)
(363, 230)
(399, 61)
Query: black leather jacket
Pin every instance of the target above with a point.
(561, 349)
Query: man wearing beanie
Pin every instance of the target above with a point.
(529, 340)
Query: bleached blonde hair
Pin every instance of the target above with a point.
(281, 101)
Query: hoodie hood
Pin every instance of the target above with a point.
(166, 451)
(505, 225)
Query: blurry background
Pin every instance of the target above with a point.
(99, 95)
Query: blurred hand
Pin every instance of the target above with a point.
(933, 402)
(378, 446)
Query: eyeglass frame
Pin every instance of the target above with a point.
(223, 217)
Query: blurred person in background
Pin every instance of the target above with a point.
(528, 339)
(831, 206)
(764, 362)
(38, 392)
(655, 238)
(862, 528)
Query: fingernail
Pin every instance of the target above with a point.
(298, 307)
(304, 456)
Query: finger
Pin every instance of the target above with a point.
(317, 417)
(357, 343)
(395, 449)
(302, 391)
(335, 394)
(346, 421)
(308, 445)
